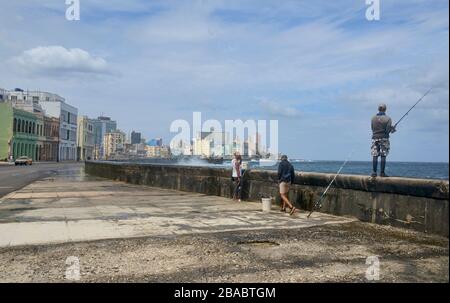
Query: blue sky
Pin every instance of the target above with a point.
(319, 67)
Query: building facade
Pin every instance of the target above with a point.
(30, 101)
(135, 137)
(26, 100)
(39, 135)
(158, 151)
(102, 126)
(18, 133)
(134, 151)
(114, 144)
(51, 139)
(55, 106)
(85, 139)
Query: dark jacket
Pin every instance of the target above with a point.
(381, 126)
(286, 172)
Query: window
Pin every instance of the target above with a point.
(35, 99)
(13, 98)
(68, 135)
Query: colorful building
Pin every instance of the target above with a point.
(18, 133)
(55, 106)
(50, 111)
(85, 138)
(39, 135)
(51, 139)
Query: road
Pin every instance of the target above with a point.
(15, 177)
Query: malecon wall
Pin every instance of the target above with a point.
(418, 204)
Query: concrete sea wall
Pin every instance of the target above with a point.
(418, 204)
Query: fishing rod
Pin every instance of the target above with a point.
(317, 204)
(412, 108)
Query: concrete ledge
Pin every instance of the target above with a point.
(419, 204)
(405, 186)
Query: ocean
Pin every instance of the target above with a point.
(394, 169)
(423, 170)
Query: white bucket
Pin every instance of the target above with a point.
(266, 204)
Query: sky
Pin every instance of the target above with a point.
(318, 67)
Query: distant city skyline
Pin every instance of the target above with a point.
(319, 67)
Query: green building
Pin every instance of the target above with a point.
(18, 133)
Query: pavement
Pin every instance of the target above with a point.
(73, 207)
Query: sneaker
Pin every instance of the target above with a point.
(383, 175)
(374, 175)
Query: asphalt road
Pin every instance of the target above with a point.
(15, 177)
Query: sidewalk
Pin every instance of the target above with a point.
(72, 208)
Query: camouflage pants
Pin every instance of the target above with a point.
(380, 147)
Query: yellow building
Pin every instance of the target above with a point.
(114, 143)
(158, 151)
(85, 138)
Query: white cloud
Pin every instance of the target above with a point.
(59, 61)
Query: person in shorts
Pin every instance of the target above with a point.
(286, 176)
(381, 129)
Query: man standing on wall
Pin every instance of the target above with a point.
(381, 129)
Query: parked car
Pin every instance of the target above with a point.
(23, 161)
